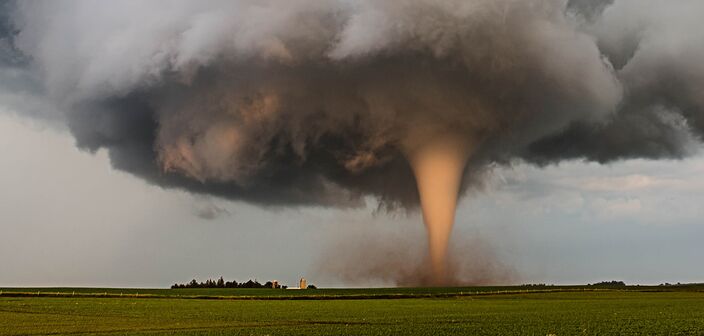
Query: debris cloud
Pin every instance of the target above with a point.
(399, 260)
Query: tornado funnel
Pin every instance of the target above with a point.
(438, 165)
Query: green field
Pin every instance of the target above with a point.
(676, 310)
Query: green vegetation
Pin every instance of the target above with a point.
(327, 293)
(221, 283)
(575, 310)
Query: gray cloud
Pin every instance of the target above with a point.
(20, 86)
(588, 9)
(314, 102)
(8, 54)
(657, 54)
(211, 212)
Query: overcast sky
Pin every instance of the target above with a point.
(272, 140)
(68, 219)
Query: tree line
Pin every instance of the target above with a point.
(221, 283)
(608, 284)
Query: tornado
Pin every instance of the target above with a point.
(337, 103)
(438, 165)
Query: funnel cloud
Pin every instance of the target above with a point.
(330, 103)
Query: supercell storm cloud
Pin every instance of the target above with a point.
(319, 102)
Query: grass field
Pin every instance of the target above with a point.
(435, 311)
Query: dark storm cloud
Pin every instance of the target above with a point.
(657, 53)
(8, 54)
(653, 132)
(317, 102)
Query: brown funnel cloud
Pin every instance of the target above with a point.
(438, 165)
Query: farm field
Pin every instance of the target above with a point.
(332, 293)
(574, 311)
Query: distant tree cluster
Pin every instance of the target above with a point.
(535, 285)
(608, 284)
(221, 283)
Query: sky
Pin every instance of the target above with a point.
(68, 219)
(282, 139)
